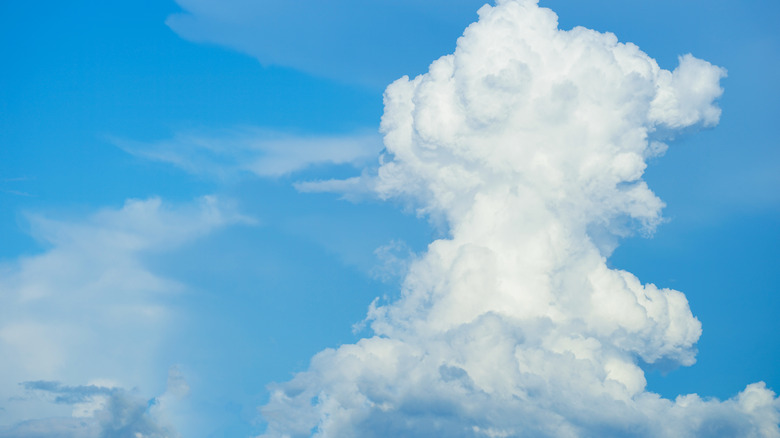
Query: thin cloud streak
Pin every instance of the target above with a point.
(365, 44)
(252, 151)
(99, 411)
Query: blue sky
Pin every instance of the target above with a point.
(156, 239)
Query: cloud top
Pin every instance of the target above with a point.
(530, 142)
(568, 116)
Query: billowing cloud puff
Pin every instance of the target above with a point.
(530, 143)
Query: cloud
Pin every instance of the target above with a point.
(255, 151)
(9, 182)
(68, 394)
(52, 427)
(394, 259)
(115, 413)
(89, 307)
(530, 142)
(351, 41)
(353, 188)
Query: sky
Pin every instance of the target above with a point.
(252, 218)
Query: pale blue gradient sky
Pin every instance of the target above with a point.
(249, 298)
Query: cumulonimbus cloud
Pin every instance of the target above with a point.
(530, 142)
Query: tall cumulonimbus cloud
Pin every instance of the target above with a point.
(531, 143)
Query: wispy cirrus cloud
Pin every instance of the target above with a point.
(10, 186)
(89, 306)
(369, 44)
(230, 154)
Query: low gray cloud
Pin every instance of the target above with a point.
(68, 394)
(118, 414)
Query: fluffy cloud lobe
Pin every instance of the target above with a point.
(530, 143)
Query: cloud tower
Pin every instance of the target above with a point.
(530, 143)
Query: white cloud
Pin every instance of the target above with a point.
(89, 307)
(394, 260)
(353, 188)
(366, 43)
(531, 143)
(114, 413)
(255, 151)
